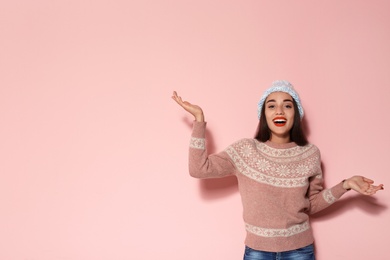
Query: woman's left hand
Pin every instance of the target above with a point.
(362, 185)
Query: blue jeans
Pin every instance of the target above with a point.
(304, 253)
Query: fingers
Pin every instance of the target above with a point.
(380, 187)
(184, 104)
(177, 98)
(372, 189)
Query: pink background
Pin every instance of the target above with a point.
(94, 152)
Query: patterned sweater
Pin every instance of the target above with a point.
(280, 185)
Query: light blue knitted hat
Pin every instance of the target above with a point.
(280, 86)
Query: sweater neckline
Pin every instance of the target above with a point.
(280, 145)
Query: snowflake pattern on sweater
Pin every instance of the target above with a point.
(276, 167)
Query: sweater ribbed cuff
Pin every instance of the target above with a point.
(199, 129)
(338, 190)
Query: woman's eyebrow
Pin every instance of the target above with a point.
(285, 100)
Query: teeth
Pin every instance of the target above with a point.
(280, 121)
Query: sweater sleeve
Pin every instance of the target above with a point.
(320, 197)
(202, 165)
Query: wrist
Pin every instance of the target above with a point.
(199, 118)
(346, 185)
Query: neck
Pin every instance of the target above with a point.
(280, 139)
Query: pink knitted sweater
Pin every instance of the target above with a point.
(280, 185)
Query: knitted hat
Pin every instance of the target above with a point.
(280, 86)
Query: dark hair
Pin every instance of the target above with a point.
(297, 134)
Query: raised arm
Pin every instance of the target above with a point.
(201, 164)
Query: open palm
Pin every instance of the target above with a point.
(194, 110)
(363, 185)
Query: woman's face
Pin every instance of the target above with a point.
(279, 113)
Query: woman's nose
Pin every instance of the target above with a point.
(279, 111)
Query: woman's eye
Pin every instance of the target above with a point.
(271, 106)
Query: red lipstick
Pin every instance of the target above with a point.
(280, 121)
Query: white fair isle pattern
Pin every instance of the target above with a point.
(295, 153)
(271, 232)
(198, 143)
(243, 168)
(328, 196)
(288, 168)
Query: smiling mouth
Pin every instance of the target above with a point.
(280, 121)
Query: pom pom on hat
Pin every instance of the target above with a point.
(280, 86)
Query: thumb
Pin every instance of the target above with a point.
(368, 180)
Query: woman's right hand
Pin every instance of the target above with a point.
(194, 110)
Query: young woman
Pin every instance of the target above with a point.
(279, 176)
